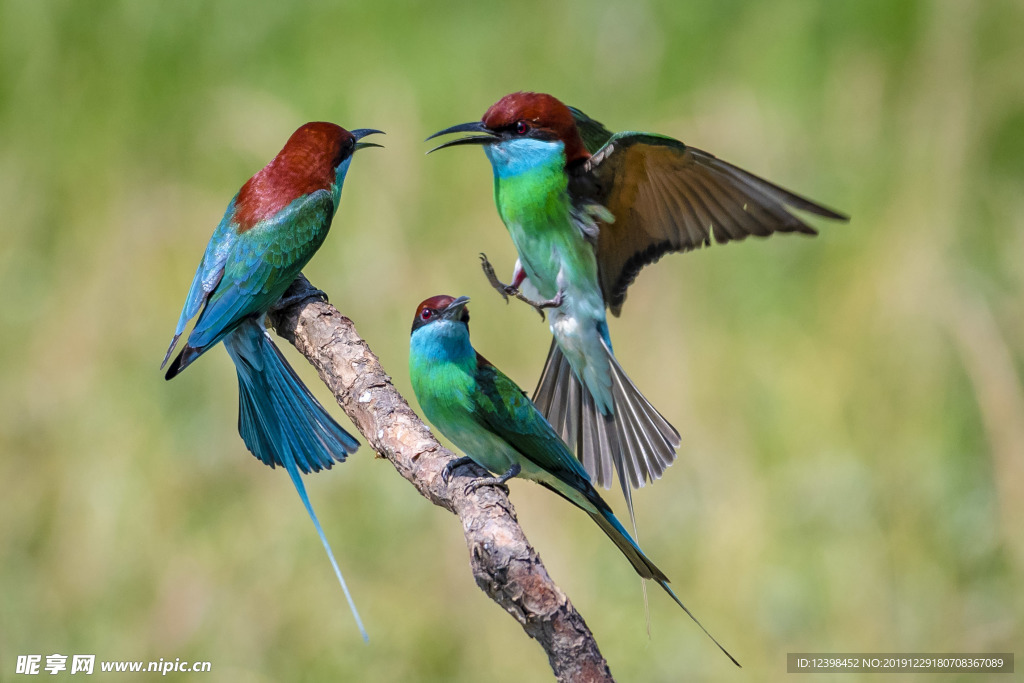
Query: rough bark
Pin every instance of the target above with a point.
(504, 564)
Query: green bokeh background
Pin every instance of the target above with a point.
(852, 471)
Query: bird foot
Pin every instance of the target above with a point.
(511, 290)
(452, 465)
(550, 303)
(492, 278)
(289, 300)
(500, 482)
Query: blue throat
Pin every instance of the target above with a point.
(514, 157)
(445, 341)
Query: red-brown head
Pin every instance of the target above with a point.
(441, 307)
(309, 161)
(523, 115)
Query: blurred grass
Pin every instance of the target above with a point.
(851, 406)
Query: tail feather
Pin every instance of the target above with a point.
(606, 438)
(643, 566)
(283, 424)
(611, 526)
(647, 424)
(635, 445)
(664, 584)
(573, 417)
(653, 436)
(308, 456)
(639, 429)
(293, 472)
(556, 408)
(278, 416)
(628, 444)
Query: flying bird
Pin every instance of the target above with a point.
(587, 210)
(498, 427)
(270, 230)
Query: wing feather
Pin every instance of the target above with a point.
(208, 274)
(504, 409)
(667, 197)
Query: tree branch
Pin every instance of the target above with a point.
(504, 564)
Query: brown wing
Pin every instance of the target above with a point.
(668, 197)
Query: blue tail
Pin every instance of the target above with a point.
(282, 423)
(643, 566)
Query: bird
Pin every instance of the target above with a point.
(587, 210)
(270, 230)
(487, 416)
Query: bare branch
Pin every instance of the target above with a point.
(504, 564)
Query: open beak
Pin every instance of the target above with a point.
(487, 138)
(453, 311)
(360, 133)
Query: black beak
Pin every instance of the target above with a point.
(360, 133)
(473, 127)
(453, 311)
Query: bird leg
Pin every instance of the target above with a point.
(451, 465)
(492, 278)
(513, 289)
(550, 303)
(539, 306)
(494, 481)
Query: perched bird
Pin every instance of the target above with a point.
(586, 210)
(270, 230)
(491, 419)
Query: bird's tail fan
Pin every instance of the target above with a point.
(635, 443)
(282, 423)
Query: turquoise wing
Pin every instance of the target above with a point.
(262, 263)
(209, 273)
(501, 407)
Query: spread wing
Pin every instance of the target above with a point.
(668, 197)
